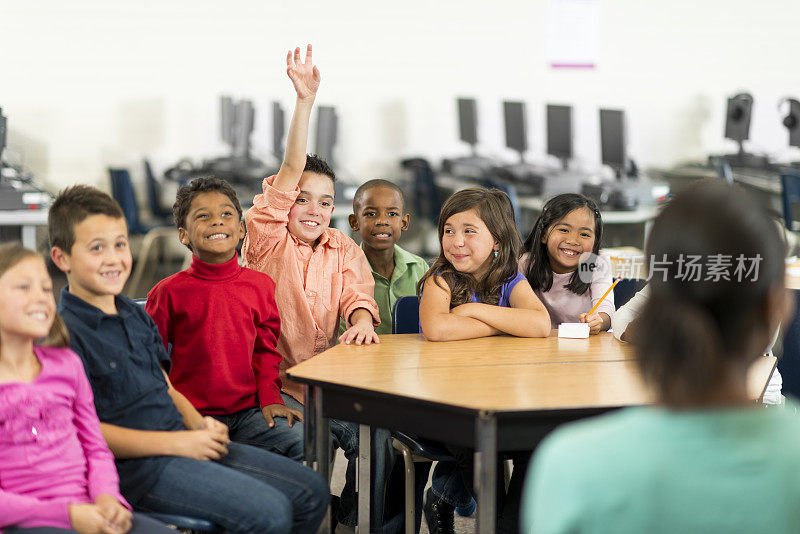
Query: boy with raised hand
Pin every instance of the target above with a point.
(220, 323)
(170, 458)
(380, 218)
(320, 273)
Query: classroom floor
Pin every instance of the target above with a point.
(464, 525)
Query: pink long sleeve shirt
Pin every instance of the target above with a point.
(314, 285)
(52, 452)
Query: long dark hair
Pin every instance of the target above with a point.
(495, 210)
(10, 255)
(695, 330)
(538, 271)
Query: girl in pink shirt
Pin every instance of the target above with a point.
(56, 472)
(567, 236)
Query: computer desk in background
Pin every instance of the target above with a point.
(28, 220)
(491, 394)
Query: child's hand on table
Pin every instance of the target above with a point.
(595, 322)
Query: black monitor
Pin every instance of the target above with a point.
(559, 132)
(516, 132)
(326, 133)
(3, 128)
(227, 115)
(278, 130)
(791, 121)
(468, 121)
(612, 139)
(243, 128)
(737, 118)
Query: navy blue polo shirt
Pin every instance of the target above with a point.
(123, 356)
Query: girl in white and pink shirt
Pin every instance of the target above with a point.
(57, 474)
(567, 236)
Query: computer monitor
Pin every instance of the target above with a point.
(3, 128)
(516, 132)
(612, 139)
(792, 121)
(326, 133)
(227, 115)
(559, 132)
(468, 121)
(737, 118)
(243, 128)
(278, 130)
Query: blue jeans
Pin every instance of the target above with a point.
(250, 427)
(247, 491)
(448, 485)
(141, 525)
(345, 436)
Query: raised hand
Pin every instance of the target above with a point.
(304, 75)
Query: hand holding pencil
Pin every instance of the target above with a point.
(597, 321)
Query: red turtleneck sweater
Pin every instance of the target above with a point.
(220, 325)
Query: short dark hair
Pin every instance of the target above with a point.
(372, 184)
(318, 165)
(694, 329)
(203, 184)
(71, 207)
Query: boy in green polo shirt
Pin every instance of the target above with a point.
(379, 216)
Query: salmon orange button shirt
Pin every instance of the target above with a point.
(314, 286)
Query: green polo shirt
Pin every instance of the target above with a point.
(408, 269)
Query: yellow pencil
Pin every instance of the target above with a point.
(604, 296)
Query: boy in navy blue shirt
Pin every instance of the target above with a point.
(170, 458)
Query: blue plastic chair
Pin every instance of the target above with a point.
(122, 191)
(405, 315)
(154, 196)
(626, 289)
(185, 523)
(790, 194)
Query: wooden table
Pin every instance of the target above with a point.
(492, 394)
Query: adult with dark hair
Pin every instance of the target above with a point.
(705, 458)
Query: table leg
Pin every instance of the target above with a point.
(322, 446)
(486, 471)
(309, 434)
(364, 470)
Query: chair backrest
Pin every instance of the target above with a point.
(427, 202)
(405, 315)
(122, 191)
(789, 362)
(625, 289)
(790, 193)
(154, 193)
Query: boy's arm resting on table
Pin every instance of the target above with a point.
(438, 321)
(101, 473)
(527, 316)
(23, 511)
(305, 78)
(356, 304)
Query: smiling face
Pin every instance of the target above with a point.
(467, 243)
(26, 292)
(99, 263)
(379, 218)
(568, 238)
(311, 213)
(212, 228)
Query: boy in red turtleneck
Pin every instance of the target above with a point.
(220, 324)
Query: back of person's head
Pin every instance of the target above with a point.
(71, 207)
(717, 273)
(538, 272)
(371, 184)
(496, 211)
(318, 165)
(204, 184)
(10, 255)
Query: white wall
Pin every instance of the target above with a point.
(92, 83)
